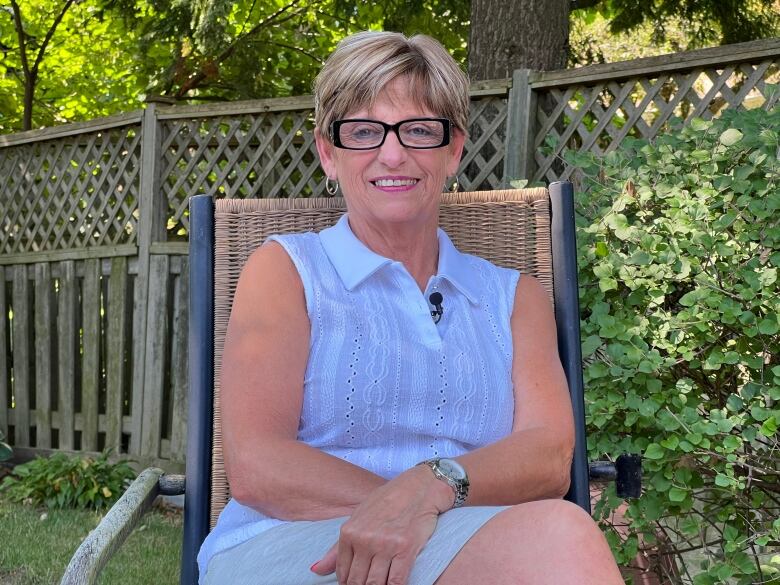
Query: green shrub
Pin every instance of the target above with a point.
(63, 481)
(679, 255)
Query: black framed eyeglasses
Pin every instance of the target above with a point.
(364, 134)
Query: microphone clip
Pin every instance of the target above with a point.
(436, 299)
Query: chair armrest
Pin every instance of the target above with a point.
(626, 472)
(100, 545)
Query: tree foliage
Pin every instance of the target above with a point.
(70, 82)
(706, 21)
(110, 55)
(679, 247)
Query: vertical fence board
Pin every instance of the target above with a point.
(153, 208)
(67, 350)
(4, 349)
(157, 332)
(139, 354)
(90, 371)
(179, 367)
(21, 361)
(43, 346)
(521, 115)
(117, 345)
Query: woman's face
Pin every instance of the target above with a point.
(392, 183)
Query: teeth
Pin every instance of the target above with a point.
(395, 182)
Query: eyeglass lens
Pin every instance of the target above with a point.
(362, 134)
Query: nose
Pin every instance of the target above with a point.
(392, 154)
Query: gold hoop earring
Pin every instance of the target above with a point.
(455, 186)
(331, 186)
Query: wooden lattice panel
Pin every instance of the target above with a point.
(268, 155)
(482, 167)
(261, 155)
(597, 117)
(74, 192)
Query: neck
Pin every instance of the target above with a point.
(415, 246)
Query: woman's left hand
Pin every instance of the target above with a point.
(383, 536)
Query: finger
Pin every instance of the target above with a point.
(358, 570)
(380, 568)
(327, 564)
(400, 568)
(343, 560)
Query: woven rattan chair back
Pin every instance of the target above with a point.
(510, 228)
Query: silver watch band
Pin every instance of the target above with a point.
(460, 486)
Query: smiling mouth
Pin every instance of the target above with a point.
(394, 182)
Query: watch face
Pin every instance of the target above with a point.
(452, 469)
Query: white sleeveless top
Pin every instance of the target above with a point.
(385, 386)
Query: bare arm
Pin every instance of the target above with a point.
(263, 368)
(533, 462)
(394, 522)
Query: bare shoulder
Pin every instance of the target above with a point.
(270, 261)
(269, 286)
(530, 297)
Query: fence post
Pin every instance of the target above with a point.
(520, 126)
(151, 227)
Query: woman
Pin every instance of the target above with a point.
(337, 382)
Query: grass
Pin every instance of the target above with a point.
(37, 545)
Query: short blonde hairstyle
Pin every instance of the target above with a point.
(364, 63)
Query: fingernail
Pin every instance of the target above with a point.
(314, 565)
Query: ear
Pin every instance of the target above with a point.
(457, 142)
(326, 150)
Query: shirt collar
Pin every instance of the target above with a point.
(360, 262)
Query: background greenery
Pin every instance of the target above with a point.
(679, 254)
(91, 58)
(63, 481)
(40, 542)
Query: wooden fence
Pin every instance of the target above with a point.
(93, 252)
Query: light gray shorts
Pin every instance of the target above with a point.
(283, 555)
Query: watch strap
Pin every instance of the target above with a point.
(459, 486)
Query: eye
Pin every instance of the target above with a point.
(363, 131)
(419, 130)
(422, 132)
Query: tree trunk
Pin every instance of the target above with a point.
(517, 34)
(29, 96)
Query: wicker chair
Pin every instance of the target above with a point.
(531, 230)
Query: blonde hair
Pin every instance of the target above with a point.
(364, 63)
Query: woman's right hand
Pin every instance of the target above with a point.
(383, 536)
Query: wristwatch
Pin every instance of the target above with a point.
(452, 472)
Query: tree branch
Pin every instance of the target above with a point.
(20, 34)
(294, 48)
(274, 18)
(49, 35)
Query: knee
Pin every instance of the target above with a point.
(562, 524)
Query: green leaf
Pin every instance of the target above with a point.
(722, 480)
(654, 451)
(694, 438)
(730, 137)
(769, 326)
(677, 495)
(590, 344)
(769, 428)
(759, 413)
(607, 284)
(730, 532)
